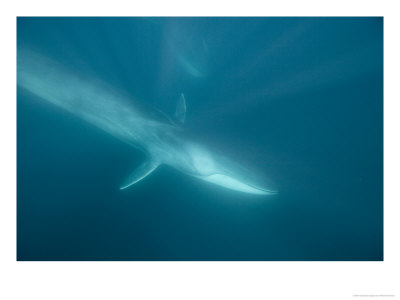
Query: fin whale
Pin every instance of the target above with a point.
(116, 114)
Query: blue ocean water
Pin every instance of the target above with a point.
(300, 100)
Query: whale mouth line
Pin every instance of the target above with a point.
(234, 184)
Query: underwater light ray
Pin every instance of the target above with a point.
(332, 72)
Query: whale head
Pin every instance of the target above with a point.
(222, 171)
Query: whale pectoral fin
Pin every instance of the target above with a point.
(180, 112)
(145, 169)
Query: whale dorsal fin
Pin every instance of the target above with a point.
(145, 169)
(180, 112)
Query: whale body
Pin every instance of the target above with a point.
(120, 116)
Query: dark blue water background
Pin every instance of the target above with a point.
(298, 99)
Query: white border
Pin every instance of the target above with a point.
(197, 280)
